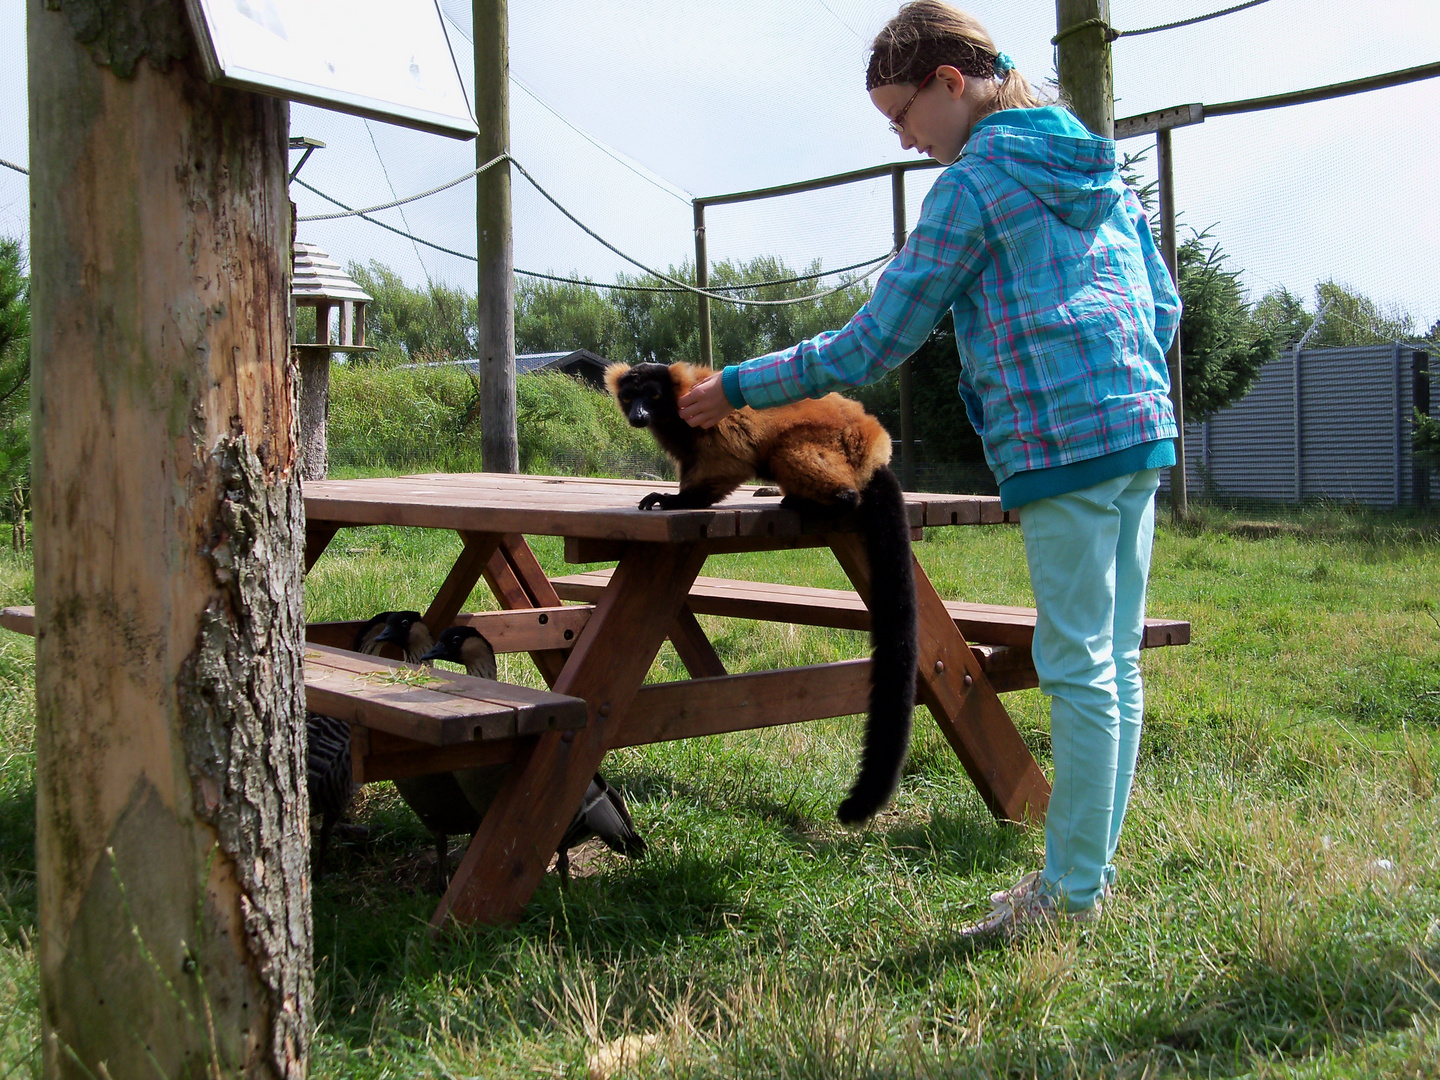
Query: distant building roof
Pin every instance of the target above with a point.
(319, 277)
(579, 362)
(525, 363)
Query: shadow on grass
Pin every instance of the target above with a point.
(1331, 997)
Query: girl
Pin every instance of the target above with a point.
(1063, 314)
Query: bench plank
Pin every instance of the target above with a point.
(19, 619)
(992, 624)
(443, 709)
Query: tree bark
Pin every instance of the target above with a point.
(171, 812)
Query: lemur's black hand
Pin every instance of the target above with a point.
(654, 501)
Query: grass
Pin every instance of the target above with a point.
(1278, 912)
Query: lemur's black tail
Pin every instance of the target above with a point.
(894, 648)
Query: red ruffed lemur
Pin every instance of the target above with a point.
(827, 455)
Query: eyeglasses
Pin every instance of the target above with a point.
(898, 124)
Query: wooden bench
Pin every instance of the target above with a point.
(407, 720)
(999, 636)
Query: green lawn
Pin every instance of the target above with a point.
(1278, 912)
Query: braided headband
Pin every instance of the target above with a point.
(977, 63)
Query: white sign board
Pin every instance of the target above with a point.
(386, 59)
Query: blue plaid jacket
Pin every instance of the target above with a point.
(1063, 307)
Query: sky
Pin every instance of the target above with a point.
(625, 110)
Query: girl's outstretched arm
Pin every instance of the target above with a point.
(942, 257)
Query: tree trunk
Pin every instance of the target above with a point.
(171, 814)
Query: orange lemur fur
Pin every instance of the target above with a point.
(826, 455)
(822, 451)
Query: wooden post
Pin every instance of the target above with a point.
(312, 398)
(171, 812)
(495, 330)
(907, 384)
(1179, 484)
(1082, 61)
(702, 281)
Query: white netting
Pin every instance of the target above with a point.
(626, 111)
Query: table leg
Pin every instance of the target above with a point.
(318, 535)
(515, 576)
(694, 648)
(606, 667)
(960, 697)
(460, 582)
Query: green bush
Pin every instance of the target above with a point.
(429, 417)
(402, 416)
(565, 426)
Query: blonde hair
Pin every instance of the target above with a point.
(928, 34)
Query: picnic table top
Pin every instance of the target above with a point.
(589, 507)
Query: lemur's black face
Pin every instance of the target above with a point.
(646, 392)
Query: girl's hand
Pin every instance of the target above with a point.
(705, 404)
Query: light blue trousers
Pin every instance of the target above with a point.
(1089, 556)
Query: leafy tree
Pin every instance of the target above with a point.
(14, 376)
(415, 324)
(1425, 438)
(1282, 315)
(1346, 317)
(1222, 347)
(1223, 343)
(1354, 319)
(655, 323)
(555, 316)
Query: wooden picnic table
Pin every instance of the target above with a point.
(603, 654)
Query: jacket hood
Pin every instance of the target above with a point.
(1054, 157)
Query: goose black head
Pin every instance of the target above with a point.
(464, 645)
(406, 629)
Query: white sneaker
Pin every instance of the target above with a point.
(1014, 917)
(1021, 889)
(1029, 883)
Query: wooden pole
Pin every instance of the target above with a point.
(1179, 485)
(702, 281)
(171, 811)
(907, 385)
(1082, 61)
(312, 396)
(495, 330)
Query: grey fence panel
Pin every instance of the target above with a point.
(1434, 412)
(1248, 450)
(1350, 422)
(1348, 425)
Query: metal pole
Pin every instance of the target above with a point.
(702, 281)
(907, 385)
(1420, 400)
(1082, 61)
(495, 299)
(1179, 494)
